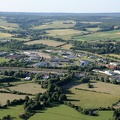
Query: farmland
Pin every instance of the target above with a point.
(67, 46)
(56, 24)
(5, 35)
(5, 96)
(63, 32)
(30, 88)
(108, 35)
(45, 42)
(13, 111)
(85, 98)
(63, 112)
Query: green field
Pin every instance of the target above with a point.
(13, 111)
(56, 24)
(5, 35)
(2, 59)
(63, 112)
(108, 35)
(90, 99)
(8, 26)
(45, 42)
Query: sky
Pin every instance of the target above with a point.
(62, 6)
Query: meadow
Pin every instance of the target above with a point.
(2, 59)
(56, 24)
(63, 112)
(66, 47)
(106, 35)
(90, 99)
(5, 96)
(5, 35)
(8, 26)
(31, 88)
(45, 42)
(13, 111)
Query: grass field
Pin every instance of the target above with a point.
(8, 26)
(56, 24)
(67, 46)
(31, 88)
(93, 29)
(101, 87)
(114, 55)
(13, 111)
(2, 59)
(61, 32)
(63, 112)
(45, 42)
(6, 96)
(111, 35)
(5, 35)
(89, 99)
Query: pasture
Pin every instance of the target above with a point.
(6, 96)
(63, 112)
(31, 88)
(5, 35)
(56, 24)
(106, 35)
(2, 59)
(90, 99)
(101, 87)
(60, 32)
(13, 111)
(45, 42)
(66, 47)
(8, 26)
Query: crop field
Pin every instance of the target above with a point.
(5, 35)
(67, 46)
(5, 96)
(61, 32)
(45, 42)
(63, 112)
(109, 35)
(31, 88)
(85, 99)
(56, 24)
(13, 111)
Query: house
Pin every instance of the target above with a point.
(114, 63)
(60, 60)
(111, 66)
(41, 64)
(28, 78)
(84, 63)
(109, 72)
(34, 58)
(117, 71)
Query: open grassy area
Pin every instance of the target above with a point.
(45, 42)
(108, 35)
(60, 32)
(6, 96)
(13, 111)
(89, 99)
(93, 29)
(63, 112)
(67, 46)
(5, 35)
(56, 24)
(31, 88)
(2, 59)
(114, 55)
(8, 26)
(101, 87)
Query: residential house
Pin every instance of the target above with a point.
(84, 63)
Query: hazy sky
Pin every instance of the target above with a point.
(77, 6)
